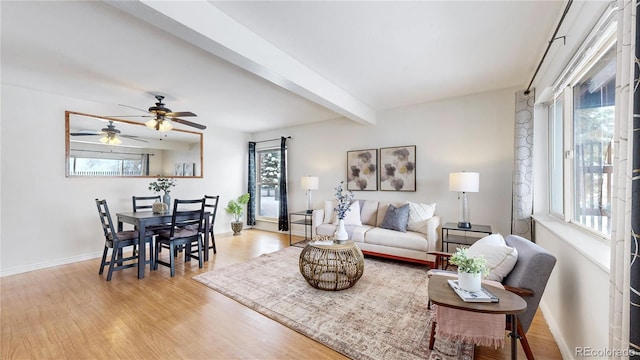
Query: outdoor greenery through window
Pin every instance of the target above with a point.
(581, 125)
(268, 174)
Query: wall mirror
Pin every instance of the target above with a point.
(99, 146)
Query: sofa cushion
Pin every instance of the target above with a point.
(382, 210)
(396, 218)
(329, 213)
(369, 212)
(500, 257)
(418, 216)
(356, 233)
(408, 240)
(351, 217)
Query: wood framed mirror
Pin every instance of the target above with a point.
(99, 146)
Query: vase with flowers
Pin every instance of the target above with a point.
(163, 184)
(343, 206)
(470, 269)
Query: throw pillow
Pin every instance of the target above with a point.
(500, 258)
(419, 214)
(329, 213)
(351, 217)
(396, 218)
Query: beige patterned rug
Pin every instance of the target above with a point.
(383, 316)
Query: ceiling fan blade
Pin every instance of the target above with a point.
(144, 111)
(128, 116)
(189, 123)
(84, 134)
(180, 113)
(132, 137)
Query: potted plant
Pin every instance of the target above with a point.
(163, 184)
(236, 208)
(470, 269)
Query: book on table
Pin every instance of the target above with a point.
(482, 295)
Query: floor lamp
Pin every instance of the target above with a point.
(309, 183)
(464, 182)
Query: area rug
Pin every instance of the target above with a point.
(383, 316)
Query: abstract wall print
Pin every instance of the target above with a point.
(362, 170)
(398, 168)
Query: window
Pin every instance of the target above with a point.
(268, 175)
(104, 167)
(581, 122)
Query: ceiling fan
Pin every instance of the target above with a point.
(110, 135)
(163, 117)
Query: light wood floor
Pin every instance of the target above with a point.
(71, 312)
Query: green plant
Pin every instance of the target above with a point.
(468, 264)
(162, 184)
(236, 207)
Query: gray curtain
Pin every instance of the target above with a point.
(522, 195)
(251, 186)
(283, 213)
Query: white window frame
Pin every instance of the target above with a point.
(595, 46)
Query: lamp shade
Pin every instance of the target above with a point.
(464, 181)
(309, 182)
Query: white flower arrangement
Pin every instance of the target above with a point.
(468, 264)
(344, 200)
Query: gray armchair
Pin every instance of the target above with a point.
(528, 279)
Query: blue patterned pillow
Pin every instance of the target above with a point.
(396, 218)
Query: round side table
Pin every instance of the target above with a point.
(331, 266)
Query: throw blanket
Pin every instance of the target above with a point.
(471, 327)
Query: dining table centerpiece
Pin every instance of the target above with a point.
(163, 184)
(344, 199)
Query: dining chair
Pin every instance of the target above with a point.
(117, 241)
(187, 229)
(211, 205)
(146, 203)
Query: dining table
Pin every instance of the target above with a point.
(141, 219)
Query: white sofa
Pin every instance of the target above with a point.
(374, 240)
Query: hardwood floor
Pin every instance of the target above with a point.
(72, 312)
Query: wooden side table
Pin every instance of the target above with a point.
(331, 266)
(440, 293)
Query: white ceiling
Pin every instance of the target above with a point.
(310, 61)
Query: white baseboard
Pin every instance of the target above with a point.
(48, 264)
(565, 351)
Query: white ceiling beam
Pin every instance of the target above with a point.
(204, 25)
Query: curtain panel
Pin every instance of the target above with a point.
(251, 186)
(522, 179)
(283, 211)
(624, 292)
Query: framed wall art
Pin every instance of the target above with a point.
(179, 169)
(398, 168)
(362, 170)
(189, 168)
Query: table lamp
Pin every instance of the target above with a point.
(309, 183)
(464, 182)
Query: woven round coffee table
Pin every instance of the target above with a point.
(331, 266)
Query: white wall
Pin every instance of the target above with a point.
(472, 133)
(49, 219)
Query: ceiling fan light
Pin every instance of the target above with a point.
(151, 124)
(115, 141)
(104, 139)
(165, 125)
